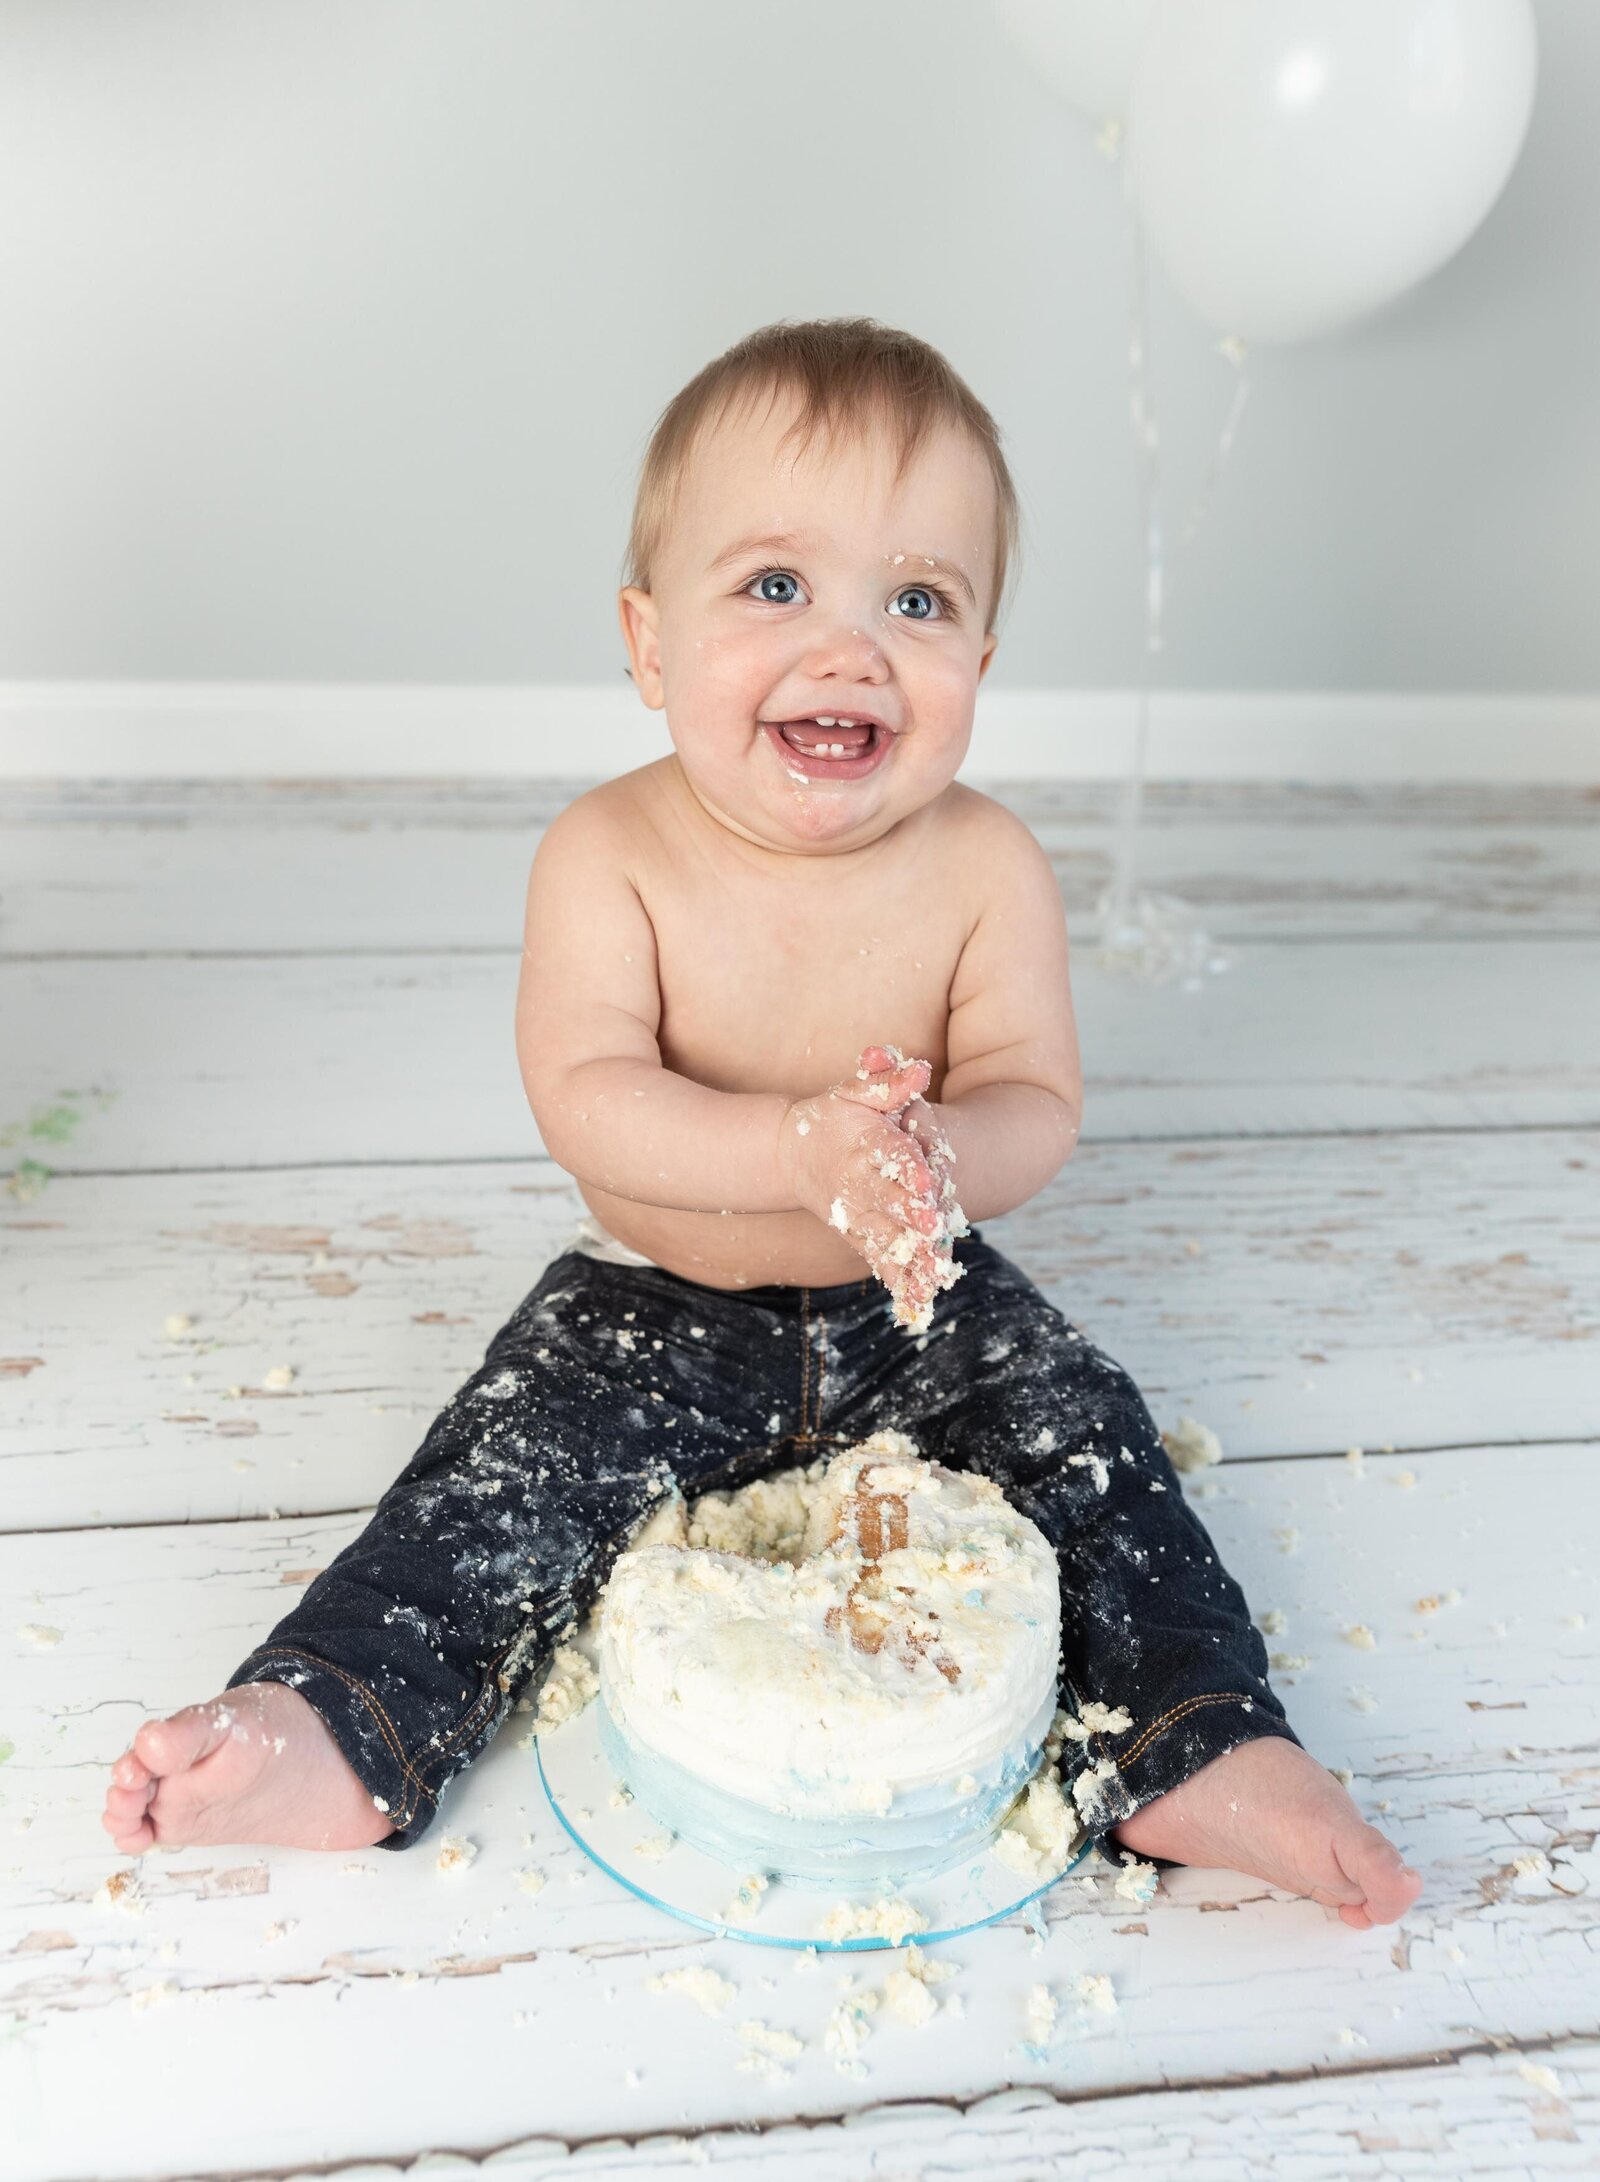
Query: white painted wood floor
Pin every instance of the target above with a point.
(255, 1056)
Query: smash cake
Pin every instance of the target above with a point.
(843, 1675)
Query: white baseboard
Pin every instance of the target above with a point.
(307, 730)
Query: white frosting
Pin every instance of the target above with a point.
(750, 1673)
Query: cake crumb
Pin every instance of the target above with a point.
(1088, 1787)
(767, 2050)
(123, 1892)
(907, 1992)
(747, 1895)
(456, 1854)
(1434, 1600)
(709, 1992)
(1288, 1539)
(567, 1688)
(1191, 1445)
(177, 1324)
(152, 1996)
(1040, 1832)
(849, 2027)
(909, 1998)
(1095, 1993)
(1541, 2076)
(656, 1845)
(280, 1377)
(1105, 1719)
(891, 1919)
(1272, 1621)
(1360, 1636)
(530, 1878)
(1137, 1881)
(1041, 2015)
(39, 1635)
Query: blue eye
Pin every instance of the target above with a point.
(947, 611)
(927, 591)
(767, 575)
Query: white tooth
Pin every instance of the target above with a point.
(825, 719)
(836, 749)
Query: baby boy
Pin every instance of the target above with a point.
(729, 955)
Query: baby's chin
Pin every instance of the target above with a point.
(788, 815)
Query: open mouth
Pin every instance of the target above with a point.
(829, 751)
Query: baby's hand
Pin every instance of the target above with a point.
(866, 1176)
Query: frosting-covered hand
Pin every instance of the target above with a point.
(884, 1186)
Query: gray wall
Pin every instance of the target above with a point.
(334, 330)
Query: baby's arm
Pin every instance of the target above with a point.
(1012, 1094)
(588, 1009)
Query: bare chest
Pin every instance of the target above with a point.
(776, 987)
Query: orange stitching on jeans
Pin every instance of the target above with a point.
(1190, 1704)
(805, 1361)
(369, 1697)
(466, 1724)
(822, 1373)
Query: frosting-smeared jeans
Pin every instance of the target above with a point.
(612, 1385)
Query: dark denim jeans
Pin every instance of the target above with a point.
(611, 1384)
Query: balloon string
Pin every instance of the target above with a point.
(1147, 444)
(1147, 448)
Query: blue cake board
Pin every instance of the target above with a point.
(580, 1781)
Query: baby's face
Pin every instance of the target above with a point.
(868, 604)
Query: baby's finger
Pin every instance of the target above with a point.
(885, 1079)
(905, 1166)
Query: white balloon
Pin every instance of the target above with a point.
(1086, 49)
(1297, 163)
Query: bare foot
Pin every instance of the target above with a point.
(1268, 1808)
(258, 1763)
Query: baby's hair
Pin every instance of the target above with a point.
(846, 374)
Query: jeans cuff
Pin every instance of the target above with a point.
(367, 1737)
(1171, 1750)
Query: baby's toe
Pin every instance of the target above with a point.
(1389, 1885)
(128, 1824)
(125, 1807)
(172, 1746)
(130, 1771)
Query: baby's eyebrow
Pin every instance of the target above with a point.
(788, 541)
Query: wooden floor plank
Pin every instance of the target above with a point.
(1296, 1296)
(1492, 2114)
(1469, 1731)
(352, 1059)
(381, 866)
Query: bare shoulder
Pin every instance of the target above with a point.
(995, 850)
(615, 818)
(984, 820)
